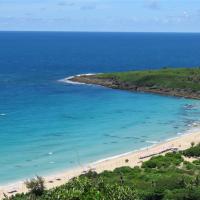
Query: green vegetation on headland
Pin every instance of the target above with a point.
(166, 177)
(183, 82)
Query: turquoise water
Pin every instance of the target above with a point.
(47, 126)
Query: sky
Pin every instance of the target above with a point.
(100, 15)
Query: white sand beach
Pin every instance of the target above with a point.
(129, 159)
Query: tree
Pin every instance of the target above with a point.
(36, 186)
(192, 144)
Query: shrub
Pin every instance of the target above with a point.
(90, 174)
(163, 161)
(183, 194)
(36, 186)
(193, 151)
(196, 162)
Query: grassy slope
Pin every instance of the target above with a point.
(166, 177)
(178, 78)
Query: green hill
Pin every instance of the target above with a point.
(183, 82)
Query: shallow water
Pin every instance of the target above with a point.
(47, 126)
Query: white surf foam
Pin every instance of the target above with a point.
(112, 157)
(68, 79)
(152, 142)
(2, 114)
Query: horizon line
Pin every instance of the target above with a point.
(62, 31)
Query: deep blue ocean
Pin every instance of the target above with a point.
(47, 126)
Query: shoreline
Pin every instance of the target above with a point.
(93, 79)
(135, 158)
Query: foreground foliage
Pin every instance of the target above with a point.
(166, 177)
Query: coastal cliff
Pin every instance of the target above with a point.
(180, 82)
